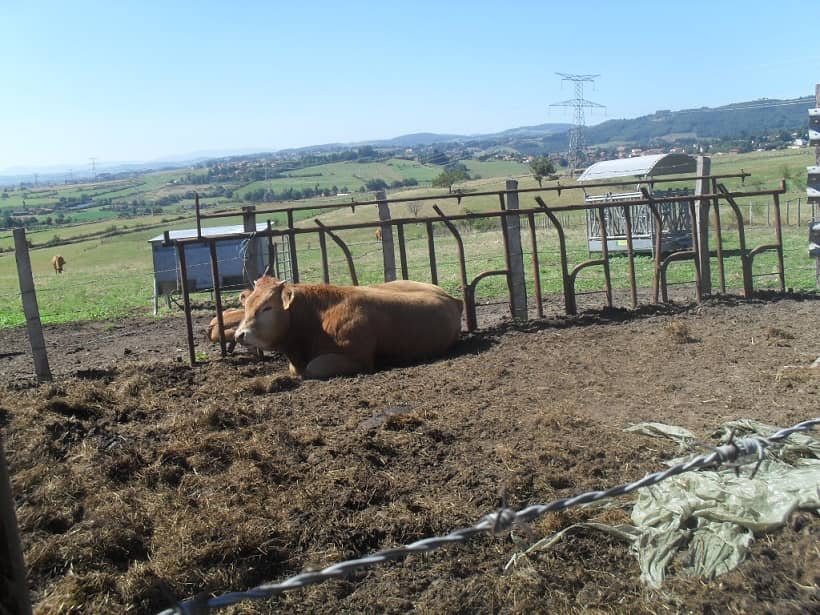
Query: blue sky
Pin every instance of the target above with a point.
(139, 81)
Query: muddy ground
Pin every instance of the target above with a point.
(139, 480)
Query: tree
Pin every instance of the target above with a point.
(375, 185)
(541, 167)
(454, 172)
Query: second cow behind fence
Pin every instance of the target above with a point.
(328, 331)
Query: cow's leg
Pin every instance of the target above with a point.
(330, 365)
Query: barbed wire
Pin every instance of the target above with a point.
(743, 450)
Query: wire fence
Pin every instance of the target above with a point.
(735, 452)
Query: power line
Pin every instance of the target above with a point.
(579, 103)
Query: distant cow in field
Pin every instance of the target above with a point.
(230, 319)
(378, 234)
(58, 262)
(327, 331)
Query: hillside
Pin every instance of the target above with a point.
(735, 122)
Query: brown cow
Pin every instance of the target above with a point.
(57, 262)
(378, 234)
(230, 319)
(328, 331)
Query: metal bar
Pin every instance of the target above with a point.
(462, 266)
(323, 251)
(570, 306)
(630, 253)
(778, 232)
(469, 305)
(557, 188)
(218, 297)
(746, 266)
(345, 250)
(658, 248)
(431, 250)
(605, 256)
(577, 269)
(272, 265)
(496, 214)
(675, 256)
(294, 263)
(536, 269)
(719, 242)
(186, 298)
(696, 248)
(402, 250)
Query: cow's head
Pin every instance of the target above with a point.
(267, 316)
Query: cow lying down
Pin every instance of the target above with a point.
(230, 319)
(327, 331)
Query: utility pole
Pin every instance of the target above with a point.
(579, 103)
(93, 168)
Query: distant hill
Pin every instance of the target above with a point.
(735, 121)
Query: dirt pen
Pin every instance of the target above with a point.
(141, 480)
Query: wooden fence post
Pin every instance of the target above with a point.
(388, 251)
(33, 325)
(14, 599)
(515, 256)
(704, 169)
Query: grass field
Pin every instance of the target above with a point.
(110, 276)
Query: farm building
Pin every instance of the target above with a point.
(232, 253)
(676, 216)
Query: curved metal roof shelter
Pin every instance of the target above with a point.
(640, 166)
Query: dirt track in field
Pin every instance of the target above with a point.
(139, 480)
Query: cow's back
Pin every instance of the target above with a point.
(410, 320)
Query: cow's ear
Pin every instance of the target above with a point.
(287, 295)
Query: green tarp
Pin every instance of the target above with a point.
(709, 518)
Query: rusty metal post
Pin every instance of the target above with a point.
(696, 250)
(658, 245)
(14, 599)
(345, 250)
(536, 267)
(273, 266)
(388, 251)
(186, 298)
(217, 297)
(745, 263)
(323, 252)
(431, 250)
(700, 223)
(462, 265)
(719, 240)
(630, 253)
(605, 256)
(570, 306)
(515, 254)
(402, 250)
(778, 232)
(294, 263)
